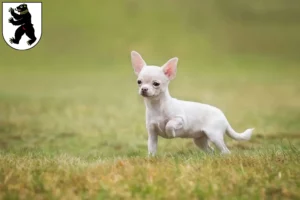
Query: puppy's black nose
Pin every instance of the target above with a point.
(144, 89)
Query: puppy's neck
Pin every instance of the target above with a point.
(156, 103)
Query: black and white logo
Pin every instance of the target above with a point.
(22, 24)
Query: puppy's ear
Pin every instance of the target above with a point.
(137, 62)
(170, 68)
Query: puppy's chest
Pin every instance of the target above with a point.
(159, 122)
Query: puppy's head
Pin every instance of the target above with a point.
(153, 80)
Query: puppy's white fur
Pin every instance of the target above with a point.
(169, 117)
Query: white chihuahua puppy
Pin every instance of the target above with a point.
(170, 118)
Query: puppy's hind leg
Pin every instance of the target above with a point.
(202, 143)
(218, 140)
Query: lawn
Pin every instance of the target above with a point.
(74, 132)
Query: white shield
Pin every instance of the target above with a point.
(22, 24)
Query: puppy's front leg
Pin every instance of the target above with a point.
(152, 141)
(174, 127)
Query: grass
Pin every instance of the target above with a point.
(79, 133)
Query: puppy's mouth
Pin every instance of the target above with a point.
(144, 94)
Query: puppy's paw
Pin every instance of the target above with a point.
(151, 154)
(171, 133)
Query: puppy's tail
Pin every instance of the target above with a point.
(246, 135)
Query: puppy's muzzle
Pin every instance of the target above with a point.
(144, 92)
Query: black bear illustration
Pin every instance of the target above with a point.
(23, 19)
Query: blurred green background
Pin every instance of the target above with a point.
(85, 33)
(76, 90)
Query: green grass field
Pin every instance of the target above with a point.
(80, 134)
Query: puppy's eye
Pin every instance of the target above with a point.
(139, 82)
(156, 83)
